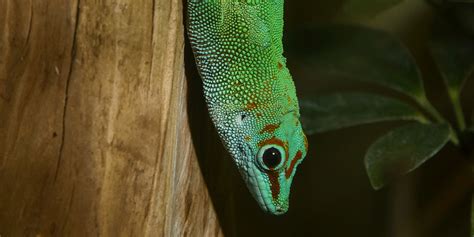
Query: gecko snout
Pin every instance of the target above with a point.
(280, 211)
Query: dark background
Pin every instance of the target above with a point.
(331, 194)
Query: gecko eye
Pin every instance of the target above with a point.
(270, 157)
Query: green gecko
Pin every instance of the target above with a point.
(249, 92)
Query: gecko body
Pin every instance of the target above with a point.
(249, 92)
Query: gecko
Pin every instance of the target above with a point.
(249, 91)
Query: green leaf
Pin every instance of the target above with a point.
(454, 55)
(331, 112)
(367, 8)
(355, 53)
(403, 150)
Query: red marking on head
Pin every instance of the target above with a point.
(251, 106)
(270, 128)
(247, 138)
(274, 184)
(280, 65)
(259, 115)
(272, 140)
(297, 157)
(278, 142)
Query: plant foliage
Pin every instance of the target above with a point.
(341, 110)
(360, 54)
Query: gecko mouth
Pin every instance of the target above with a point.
(281, 208)
(280, 211)
(261, 192)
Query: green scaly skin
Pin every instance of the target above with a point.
(250, 95)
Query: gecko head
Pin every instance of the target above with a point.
(273, 152)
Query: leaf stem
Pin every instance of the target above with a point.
(426, 104)
(456, 101)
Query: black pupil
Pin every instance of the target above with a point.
(272, 157)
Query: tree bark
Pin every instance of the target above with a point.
(94, 137)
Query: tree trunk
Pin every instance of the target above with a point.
(94, 137)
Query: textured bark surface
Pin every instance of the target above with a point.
(94, 135)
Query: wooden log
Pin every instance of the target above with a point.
(94, 137)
